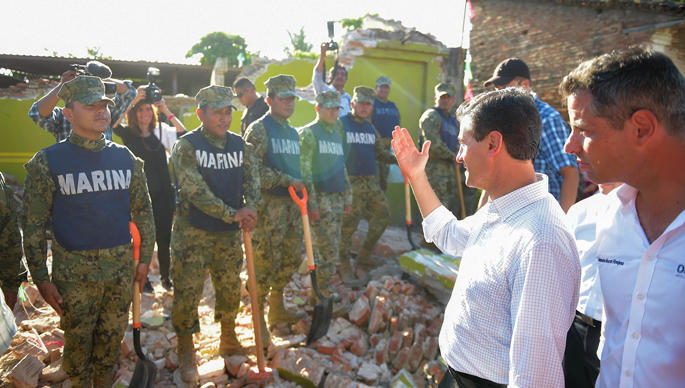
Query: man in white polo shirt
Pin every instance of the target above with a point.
(517, 290)
(628, 125)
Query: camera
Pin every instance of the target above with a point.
(96, 69)
(152, 92)
(332, 45)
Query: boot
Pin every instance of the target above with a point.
(229, 344)
(346, 274)
(186, 360)
(103, 381)
(365, 260)
(278, 313)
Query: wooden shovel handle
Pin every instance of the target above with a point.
(135, 234)
(256, 314)
(302, 202)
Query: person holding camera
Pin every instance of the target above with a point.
(151, 140)
(337, 76)
(47, 115)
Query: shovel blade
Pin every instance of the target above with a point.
(144, 375)
(323, 313)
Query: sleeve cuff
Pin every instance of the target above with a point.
(435, 222)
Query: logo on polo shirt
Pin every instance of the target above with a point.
(680, 271)
(610, 261)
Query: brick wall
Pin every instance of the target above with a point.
(551, 38)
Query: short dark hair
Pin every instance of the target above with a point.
(627, 80)
(243, 82)
(511, 112)
(334, 71)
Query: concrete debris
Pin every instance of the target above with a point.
(435, 272)
(389, 338)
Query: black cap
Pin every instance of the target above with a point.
(507, 70)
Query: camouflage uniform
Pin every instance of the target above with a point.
(96, 285)
(369, 200)
(10, 240)
(194, 251)
(278, 236)
(440, 165)
(326, 231)
(383, 169)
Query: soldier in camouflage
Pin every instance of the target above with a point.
(10, 245)
(325, 177)
(89, 187)
(440, 127)
(385, 117)
(278, 237)
(218, 195)
(363, 147)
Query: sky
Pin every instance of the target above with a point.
(164, 31)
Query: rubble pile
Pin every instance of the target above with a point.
(389, 337)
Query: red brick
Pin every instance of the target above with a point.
(407, 337)
(233, 364)
(375, 339)
(400, 360)
(360, 346)
(325, 347)
(415, 357)
(396, 342)
(420, 333)
(435, 326)
(361, 311)
(430, 348)
(376, 323)
(381, 352)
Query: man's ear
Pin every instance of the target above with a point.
(495, 143)
(200, 114)
(525, 83)
(644, 126)
(317, 108)
(68, 114)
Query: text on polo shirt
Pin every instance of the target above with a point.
(361, 138)
(327, 147)
(99, 180)
(285, 146)
(219, 160)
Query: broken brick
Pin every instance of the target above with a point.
(211, 368)
(376, 321)
(430, 348)
(395, 344)
(26, 372)
(407, 337)
(361, 311)
(360, 346)
(381, 352)
(435, 326)
(415, 357)
(420, 333)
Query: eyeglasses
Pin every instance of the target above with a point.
(241, 94)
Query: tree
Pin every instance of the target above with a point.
(95, 53)
(297, 40)
(219, 44)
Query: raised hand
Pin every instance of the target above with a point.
(410, 160)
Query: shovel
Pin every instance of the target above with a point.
(145, 372)
(263, 375)
(323, 312)
(407, 202)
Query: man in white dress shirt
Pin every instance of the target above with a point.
(628, 125)
(581, 361)
(517, 289)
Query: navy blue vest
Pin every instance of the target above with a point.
(283, 152)
(222, 170)
(329, 161)
(385, 117)
(360, 147)
(91, 204)
(448, 130)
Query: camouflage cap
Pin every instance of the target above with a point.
(329, 99)
(217, 97)
(364, 94)
(445, 88)
(84, 89)
(383, 80)
(283, 85)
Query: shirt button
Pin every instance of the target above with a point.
(641, 296)
(635, 335)
(628, 373)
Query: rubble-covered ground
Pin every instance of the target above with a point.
(389, 338)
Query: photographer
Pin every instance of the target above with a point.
(152, 142)
(49, 117)
(338, 79)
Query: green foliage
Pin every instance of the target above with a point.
(353, 24)
(219, 44)
(299, 45)
(94, 52)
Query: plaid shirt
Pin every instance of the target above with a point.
(551, 156)
(60, 127)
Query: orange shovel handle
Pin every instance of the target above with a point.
(300, 201)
